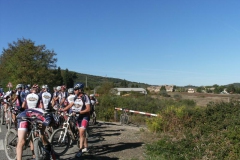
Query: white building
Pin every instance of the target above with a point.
(139, 90)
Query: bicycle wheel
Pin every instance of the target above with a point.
(126, 118)
(93, 119)
(10, 144)
(48, 132)
(9, 125)
(2, 115)
(38, 148)
(8, 120)
(122, 119)
(60, 143)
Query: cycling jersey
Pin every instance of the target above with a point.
(32, 101)
(20, 98)
(38, 112)
(45, 98)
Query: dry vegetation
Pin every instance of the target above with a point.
(202, 99)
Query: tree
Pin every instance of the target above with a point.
(231, 88)
(27, 63)
(58, 77)
(124, 83)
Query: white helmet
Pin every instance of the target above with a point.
(44, 86)
(70, 90)
(19, 86)
(58, 88)
(91, 95)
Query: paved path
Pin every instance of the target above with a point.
(70, 155)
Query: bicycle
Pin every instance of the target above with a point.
(93, 119)
(10, 112)
(124, 118)
(2, 114)
(60, 138)
(34, 135)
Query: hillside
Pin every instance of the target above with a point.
(93, 81)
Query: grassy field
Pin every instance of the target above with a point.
(202, 99)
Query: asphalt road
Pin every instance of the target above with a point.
(70, 155)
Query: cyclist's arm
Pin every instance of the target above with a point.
(62, 100)
(87, 110)
(68, 106)
(15, 98)
(24, 105)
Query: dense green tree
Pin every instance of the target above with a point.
(27, 63)
(231, 88)
(124, 83)
(105, 88)
(58, 77)
(199, 89)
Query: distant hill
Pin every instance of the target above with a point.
(93, 81)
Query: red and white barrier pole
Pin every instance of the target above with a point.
(137, 112)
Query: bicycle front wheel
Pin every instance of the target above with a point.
(2, 114)
(9, 125)
(93, 118)
(38, 148)
(10, 144)
(60, 140)
(122, 119)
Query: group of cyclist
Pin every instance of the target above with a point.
(38, 102)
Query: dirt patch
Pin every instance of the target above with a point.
(120, 141)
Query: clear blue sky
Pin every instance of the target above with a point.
(180, 42)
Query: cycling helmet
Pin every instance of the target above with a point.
(58, 88)
(28, 85)
(19, 86)
(91, 95)
(78, 86)
(35, 86)
(70, 90)
(44, 86)
(63, 87)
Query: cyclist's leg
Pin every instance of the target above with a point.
(82, 125)
(5, 110)
(22, 132)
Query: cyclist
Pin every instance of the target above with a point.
(45, 97)
(81, 105)
(18, 99)
(70, 98)
(31, 104)
(62, 96)
(55, 99)
(94, 102)
(27, 87)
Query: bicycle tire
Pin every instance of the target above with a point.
(48, 133)
(122, 119)
(93, 119)
(10, 144)
(126, 118)
(2, 115)
(60, 145)
(38, 148)
(10, 121)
